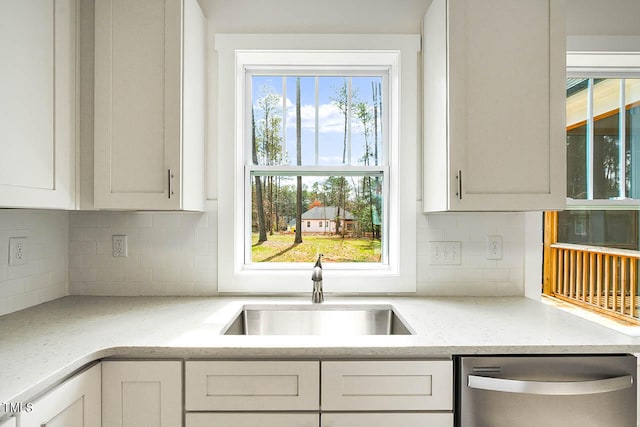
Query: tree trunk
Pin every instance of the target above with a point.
(298, 237)
(262, 233)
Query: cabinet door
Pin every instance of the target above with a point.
(386, 419)
(137, 104)
(11, 422)
(37, 111)
(75, 403)
(141, 393)
(252, 420)
(494, 90)
(252, 385)
(387, 385)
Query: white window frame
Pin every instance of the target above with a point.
(237, 53)
(603, 64)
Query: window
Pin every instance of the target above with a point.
(603, 128)
(322, 138)
(591, 249)
(346, 161)
(603, 162)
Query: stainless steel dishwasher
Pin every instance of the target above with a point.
(544, 391)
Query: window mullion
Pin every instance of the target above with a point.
(317, 119)
(349, 84)
(622, 158)
(590, 136)
(284, 113)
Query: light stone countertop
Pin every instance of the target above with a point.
(42, 345)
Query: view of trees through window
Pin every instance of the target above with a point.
(318, 168)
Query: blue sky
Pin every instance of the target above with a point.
(331, 120)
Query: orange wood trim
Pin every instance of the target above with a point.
(603, 116)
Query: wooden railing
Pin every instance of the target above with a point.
(600, 279)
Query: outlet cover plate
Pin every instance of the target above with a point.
(445, 253)
(18, 250)
(119, 246)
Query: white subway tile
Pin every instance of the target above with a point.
(82, 248)
(166, 220)
(139, 220)
(83, 219)
(82, 275)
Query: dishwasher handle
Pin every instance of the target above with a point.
(551, 388)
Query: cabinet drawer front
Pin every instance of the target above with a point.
(252, 420)
(387, 419)
(249, 385)
(387, 385)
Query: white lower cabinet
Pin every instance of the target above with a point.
(398, 385)
(11, 422)
(386, 419)
(74, 403)
(310, 393)
(252, 385)
(141, 393)
(251, 420)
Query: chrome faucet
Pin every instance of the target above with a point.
(317, 296)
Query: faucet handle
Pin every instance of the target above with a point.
(319, 261)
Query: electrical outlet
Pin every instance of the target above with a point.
(120, 247)
(494, 247)
(445, 253)
(18, 250)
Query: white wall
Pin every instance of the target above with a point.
(598, 17)
(45, 275)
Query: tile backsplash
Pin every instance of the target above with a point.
(44, 276)
(169, 253)
(175, 253)
(475, 275)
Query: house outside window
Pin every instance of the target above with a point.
(322, 120)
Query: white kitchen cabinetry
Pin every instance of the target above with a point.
(252, 385)
(341, 393)
(375, 386)
(386, 419)
(11, 422)
(149, 105)
(387, 385)
(251, 420)
(141, 393)
(75, 403)
(494, 105)
(37, 111)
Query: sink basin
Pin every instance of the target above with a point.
(332, 320)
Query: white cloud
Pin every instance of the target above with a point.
(330, 118)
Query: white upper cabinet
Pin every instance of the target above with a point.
(37, 107)
(494, 105)
(149, 105)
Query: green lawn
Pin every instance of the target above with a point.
(280, 248)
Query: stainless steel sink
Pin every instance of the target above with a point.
(332, 320)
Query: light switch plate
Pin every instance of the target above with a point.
(18, 250)
(494, 247)
(445, 253)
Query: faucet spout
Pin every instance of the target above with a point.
(317, 296)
